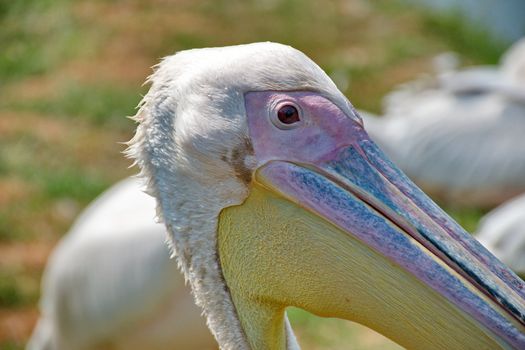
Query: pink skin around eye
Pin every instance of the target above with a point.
(322, 130)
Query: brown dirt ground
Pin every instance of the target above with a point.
(16, 325)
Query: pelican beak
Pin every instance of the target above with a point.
(345, 179)
(361, 192)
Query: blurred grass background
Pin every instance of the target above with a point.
(70, 71)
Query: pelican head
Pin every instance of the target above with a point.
(274, 196)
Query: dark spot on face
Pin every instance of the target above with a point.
(187, 256)
(237, 161)
(203, 271)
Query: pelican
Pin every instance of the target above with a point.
(110, 283)
(502, 231)
(460, 136)
(273, 195)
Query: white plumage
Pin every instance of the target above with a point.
(110, 283)
(502, 231)
(460, 136)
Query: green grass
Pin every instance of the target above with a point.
(50, 177)
(10, 294)
(332, 333)
(71, 183)
(466, 38)
(55, 175)
(13, 345)
(9, 230)
(35, 37)
(23, 7)
(309, 323)
(100, 104)
(468, 218)
(17, 289)
(470, 40)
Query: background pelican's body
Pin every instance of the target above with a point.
(502, 231)
(460, 137)
(110, 283)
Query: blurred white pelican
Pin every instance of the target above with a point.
(502, 231)
(273, 195)
(111, 285)
(460, 136)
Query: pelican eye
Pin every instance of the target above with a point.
(288, 114)
(285, 114)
